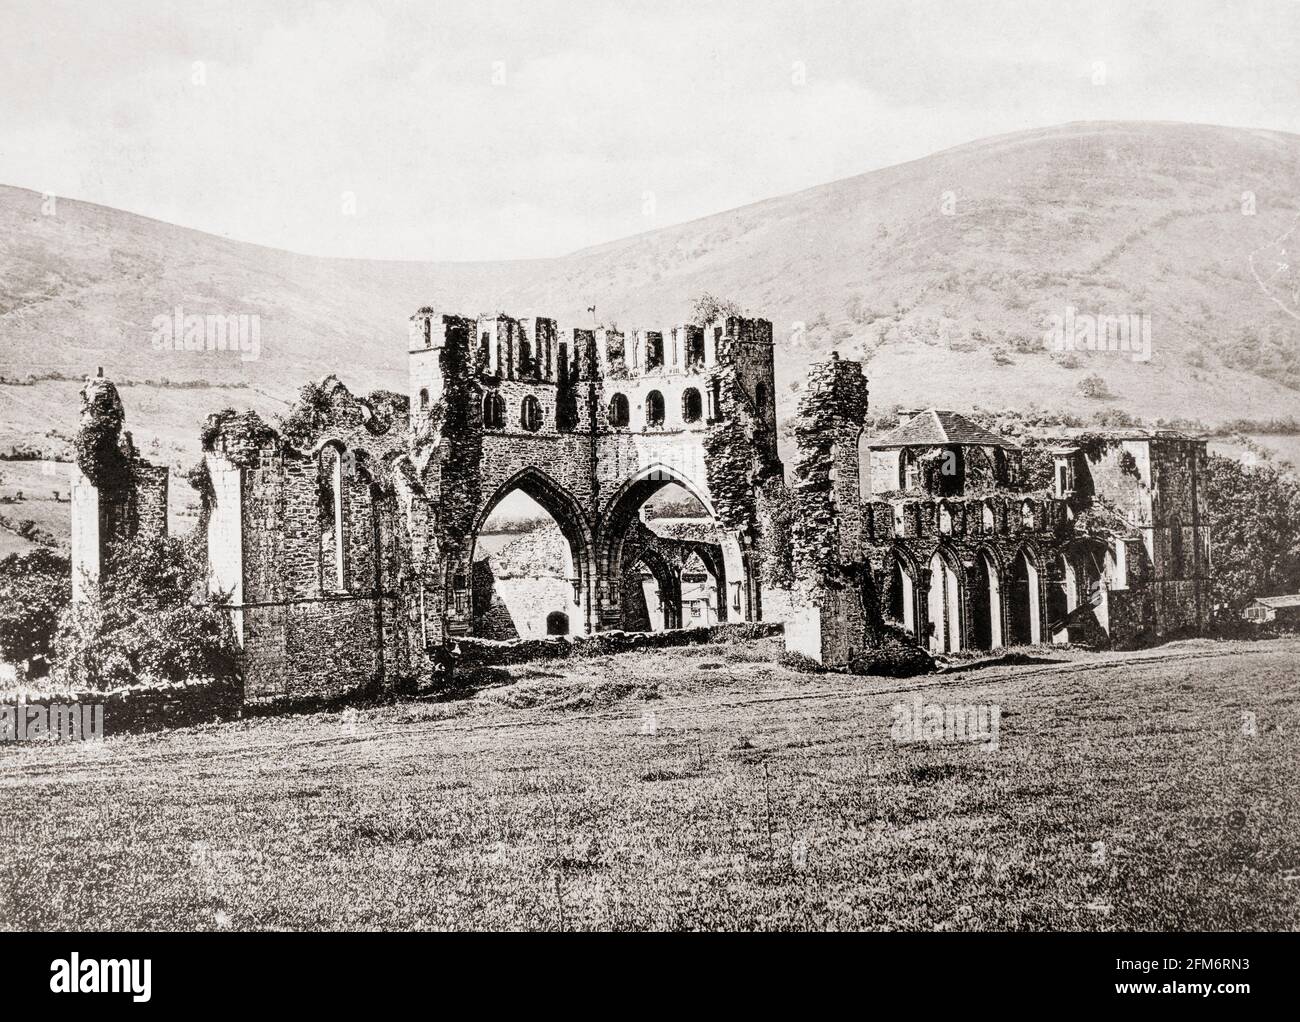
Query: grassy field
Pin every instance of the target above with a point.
(701, 787)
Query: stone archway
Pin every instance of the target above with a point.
(1084, 569)
(944, 603)
(1024, 612)
(578, 455)
(1062, 597)
(735, 577)
(579, 562)
(986, 601)
(663, 600)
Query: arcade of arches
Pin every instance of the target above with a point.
(530, 549)
(986, 598)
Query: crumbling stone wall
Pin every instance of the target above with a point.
(1123, 559)
(1153, 483)
(117, 495)
(589, 469)
(827, 618)
(301, 633)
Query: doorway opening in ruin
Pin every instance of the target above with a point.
(985, 603)
(667, 502)
(944, 605)
(901, 607)
(529, 553)
(1062, 598)
(699, 593)
(652, 595)
(1023, 627)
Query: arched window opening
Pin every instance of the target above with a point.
(424, 398)
(760, 398)
(331, 479)
(618, 410)
(1176, 549)
(692, 405)
(654, 409)
(530, 414)
(557, 623)
(494, 410)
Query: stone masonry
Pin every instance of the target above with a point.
(342, 540)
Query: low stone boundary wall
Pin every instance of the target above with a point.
(471, 652)
(143, 708)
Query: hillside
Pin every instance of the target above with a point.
(948, 300)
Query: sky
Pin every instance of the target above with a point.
(505, 130)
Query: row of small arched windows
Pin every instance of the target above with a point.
(692, 408)
(531, 416)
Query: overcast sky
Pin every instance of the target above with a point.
(489, 130)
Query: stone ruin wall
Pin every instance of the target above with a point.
(844, 546)
(418, 488)
(588, 472)
(302, 636)
(117, 495)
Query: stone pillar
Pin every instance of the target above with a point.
(85, 535)
(116, 494)
(829, 620)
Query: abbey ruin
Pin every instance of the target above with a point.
(343, 539)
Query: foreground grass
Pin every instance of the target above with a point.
(702, 787)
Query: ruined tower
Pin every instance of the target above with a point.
(591, 423)
(116, 494)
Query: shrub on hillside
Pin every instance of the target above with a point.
(1094, 386)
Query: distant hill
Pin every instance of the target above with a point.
(943, 273)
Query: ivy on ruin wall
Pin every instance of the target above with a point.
(241, 435)
(831, 413)
(103, 452)
(734, 466)
(454, 424)
(776, 508)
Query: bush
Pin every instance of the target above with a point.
(1094, 386)
(1255, 525)
(35, 589)
(149, 620)
(708, 308)
(798, 662)
(892, 652)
